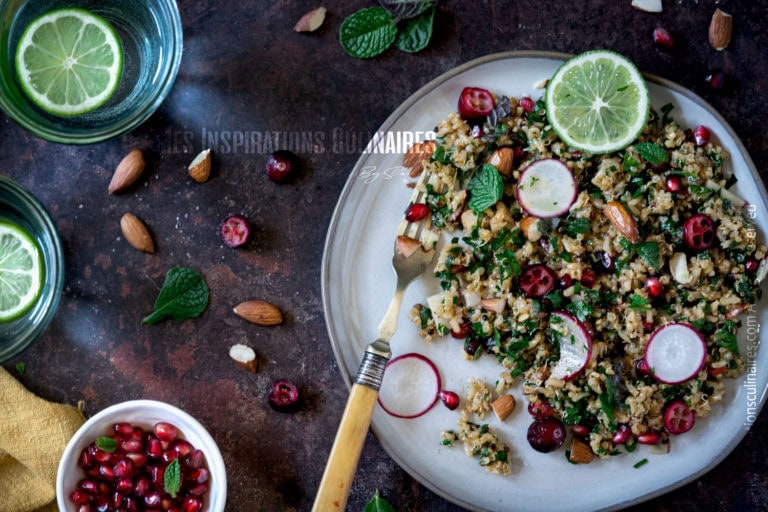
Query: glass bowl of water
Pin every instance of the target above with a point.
(20, 208)
(150, 35)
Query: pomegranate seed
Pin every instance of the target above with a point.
(751, 265)
(194, 459)
(94, 471)
(106, 473)
(475, 103)
(124, 430)
(450, 399)
(86, 459)
(528, 104)
(139, 459)
(588, 278)
(280, 165)
(152, 499)
(198, 490)
(605, 262)
(540, 409)
(662, 37)
(673, 183)
(80, 497)
(537, 281)
(699, 232)
(465, 329)
(642, 367)
(89, 486)
(142, 486)
(132, 446)
(154, 447)
(102, 457)
(519, 153)
(678, 418)
(138, 433)
(85, 508)
(165, 431)
(416, 212)
(647, 326)
(124, 485)
(622, 434)
(654, 287)
(124, 468)
(191, 504)
(129, 504)
(199, 476)
(169, 456)
(717, 80)
(477, 131)
(566, 281)
(649, 438)
(701, 135)
(580, 430)
(182, 447)
(117, 500)
(157, 474)
(714, 372)
(101, 504)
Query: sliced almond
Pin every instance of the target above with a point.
(720, 30)
(495, 305)
(678, 267)
(414, 158)
(622, 220)
(136, 233)
(530, 228)
(128, 171)
(245, 357)
(647, 5)
(311, 21)
(468, 220)
(502, 159)
(581, 453)
(407, 245)
(503, 406)
(259, 312)
(200, 168)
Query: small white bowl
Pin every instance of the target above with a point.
(142, 413)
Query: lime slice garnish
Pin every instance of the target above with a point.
(69, 61)
(598, 102)
(21, 271)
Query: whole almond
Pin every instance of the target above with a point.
(136, 233)
(200, 168)
(720, 30)
(502, 159)
(128, 171)
(311, 21)
(259, 312)
(417, 153)
(622, 220)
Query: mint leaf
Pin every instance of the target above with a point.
(406, 9)
(368, 32)
(649, 251)
(20, 367)
(172, 478)
(415, 33)
(378, 504)
(726, 337)
(106, 444)
(485, 188)
(184, 295)
(652, 153)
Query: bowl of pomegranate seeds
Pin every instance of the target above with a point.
(142, 455)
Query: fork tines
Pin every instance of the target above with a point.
(420, 231)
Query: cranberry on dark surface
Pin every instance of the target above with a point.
(528, 104)
(662, 38)
(416, 212)
(284, 396)
(475, 103)
(537, 281)
(701, 135)
(717, 80)
(751, 265)
(235, 230)
(546, 434)
(699, 232)
(280, 165)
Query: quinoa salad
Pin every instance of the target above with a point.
(569, 298)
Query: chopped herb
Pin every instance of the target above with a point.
(577, 226)
(649, 251)
(441, 155)
(580, 309)
(725, 337)
(640, 463)
(638, 303)
(554, 298)
(652, 153)
(20, 367)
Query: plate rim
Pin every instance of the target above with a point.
(349, 185)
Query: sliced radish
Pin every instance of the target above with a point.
(411, 386)
(575, 345)
(675, 353)
(546, 188)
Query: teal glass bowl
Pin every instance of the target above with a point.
(151, 36)
(19, 206)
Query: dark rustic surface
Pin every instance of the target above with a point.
(245, 70)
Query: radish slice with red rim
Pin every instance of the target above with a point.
(675, 353)
(546, 188)
(411, 386)
(575, 345)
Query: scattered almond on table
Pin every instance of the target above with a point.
(200, 168)
(720, 30)
(259, 312)
(128, 171)
(245, 357)
(311, 21)
(136, 233)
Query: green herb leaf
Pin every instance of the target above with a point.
(406, 9)
(415, 33)
(172, 478)
(184, 295)
(649, 251)
(638, 302)
(577, 226)
(20, 367)
(652, 153)
(485, 188)
(726, 337)
(580, 309)
(368, 32)
(640, 463)
(378, 504)
(106, 444)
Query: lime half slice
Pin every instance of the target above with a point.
(598, 102)
(21, 271)
(69, 61)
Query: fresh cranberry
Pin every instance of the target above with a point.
(540, 409)
(701, 135)
(416, 212)
(699, 232)
(588, 278)
(663, 38)
(546, 434)
(717, 80)
(280, 166)
(622, 434)
(465, 329)
(678, 418)
(235, 231)
(528, 104)
(537, 281)
(566, 281)
(673, 183)
(475, 103)
(450, 399)
(284, 396)
(751, 265)
(654, 287)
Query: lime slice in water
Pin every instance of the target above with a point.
(69, 61)
(21, 271)
(598, 102)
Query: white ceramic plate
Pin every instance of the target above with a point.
(357, 286)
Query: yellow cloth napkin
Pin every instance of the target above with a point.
(33, 435)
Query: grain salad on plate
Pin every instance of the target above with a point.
(609, 287)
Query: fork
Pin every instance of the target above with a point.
(414, 250)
